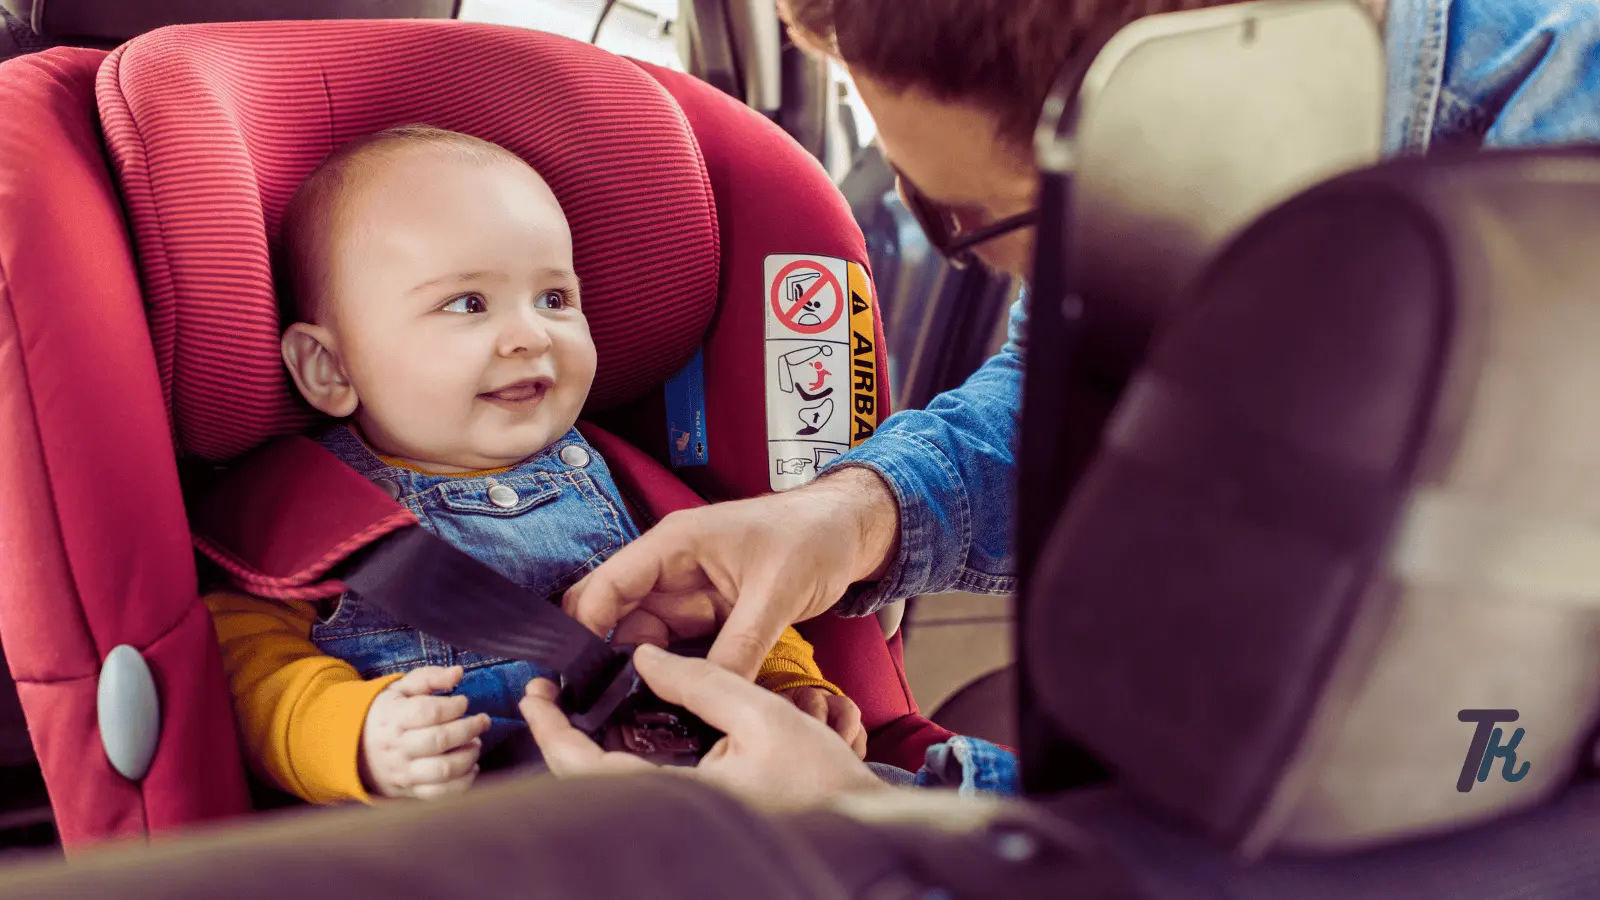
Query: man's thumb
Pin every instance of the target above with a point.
(746, 638)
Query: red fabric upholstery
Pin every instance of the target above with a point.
(92, 529)
(292, 480)
(212, 127)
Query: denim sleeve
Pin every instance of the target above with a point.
(1492, 73)
(971, 766)
(950, 467)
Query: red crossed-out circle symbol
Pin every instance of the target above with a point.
(827, 281)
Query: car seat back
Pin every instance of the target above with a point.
(1189, 125)
(678, 198)
(1348, 504)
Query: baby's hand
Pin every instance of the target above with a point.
(416, 744)
(837, 712)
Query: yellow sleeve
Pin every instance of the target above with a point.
(300, 711)
(792, 664)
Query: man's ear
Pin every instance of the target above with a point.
(309, 354)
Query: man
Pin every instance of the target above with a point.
(955, 88)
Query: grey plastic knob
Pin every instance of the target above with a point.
(129, 711)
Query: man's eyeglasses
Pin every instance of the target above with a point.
(944, 232)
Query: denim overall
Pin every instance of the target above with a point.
(543, 523)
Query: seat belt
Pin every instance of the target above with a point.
(407, 573)
(316, 528)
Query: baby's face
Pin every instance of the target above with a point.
(454, 308)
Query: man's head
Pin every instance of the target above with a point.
(956, 87)
(430, 276)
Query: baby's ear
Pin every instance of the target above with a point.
(309, 352)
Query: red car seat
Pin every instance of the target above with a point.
(121, 357)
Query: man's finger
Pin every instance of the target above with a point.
(566, 750)
(662, 560)
(437, 740)
(427, 680)
(662, 618)
(600, 599)
(753, 627)
(642, 627)
(448, 788)
(445, 767)
(424, 711)
(724, 700)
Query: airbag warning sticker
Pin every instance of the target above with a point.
(821, 364)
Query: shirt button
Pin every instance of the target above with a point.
(389, 486)
(503, 496)
(575, 456)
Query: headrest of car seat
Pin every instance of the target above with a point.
(115, 21)
(1188, 125)
(212, 127)
(1354, 491)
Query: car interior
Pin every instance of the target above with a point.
(1214, 208)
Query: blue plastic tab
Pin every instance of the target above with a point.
(686, 415)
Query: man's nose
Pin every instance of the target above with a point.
(524, 333)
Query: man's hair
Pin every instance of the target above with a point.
(313, 211)
(1000, 55)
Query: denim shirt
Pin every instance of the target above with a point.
(542, 523)
(1472, 73)
(1461, 73)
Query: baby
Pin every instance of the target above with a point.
(439, 318)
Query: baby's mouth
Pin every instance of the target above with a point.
(520, 392)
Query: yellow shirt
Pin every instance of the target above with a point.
(301, 712)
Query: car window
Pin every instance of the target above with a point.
(641, 29)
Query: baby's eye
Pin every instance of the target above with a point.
(552, 300)
(467, 303)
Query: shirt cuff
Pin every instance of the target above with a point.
(325, 750)
(935, 517)
(971, 766)
(779, 675)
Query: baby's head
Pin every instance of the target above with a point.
(431, 283)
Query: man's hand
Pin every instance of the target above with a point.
(772, 753)
(416, 744)
(763, 564)
(835, 711)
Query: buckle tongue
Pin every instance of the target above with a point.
(627, 716)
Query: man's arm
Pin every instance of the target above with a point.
(300, 711)
(924, 505)
(948, 470)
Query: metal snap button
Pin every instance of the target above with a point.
(575, 456)
(503, 496)
(389, 486)
(1015, 846)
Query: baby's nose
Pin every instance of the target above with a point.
(525, 335)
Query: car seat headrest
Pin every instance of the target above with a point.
(1353, 492)
(1275, 96)
(115, 21)
(211, 128)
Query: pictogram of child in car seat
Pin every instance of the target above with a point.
(461, 405)
(797, 365)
